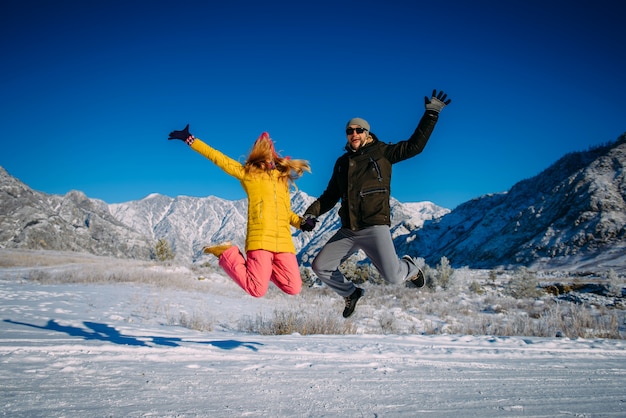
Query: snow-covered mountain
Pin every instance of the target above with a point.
(35, 220)
(190, 223)
(187, 223)
(572, 215)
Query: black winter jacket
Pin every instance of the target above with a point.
(362, 178)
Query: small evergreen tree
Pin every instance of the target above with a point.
(163, 250)
(444, 273)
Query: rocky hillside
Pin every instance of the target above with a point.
(73, 222)
(572, 215)
(35, 220)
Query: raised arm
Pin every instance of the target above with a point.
(229, 165)
(416, 143)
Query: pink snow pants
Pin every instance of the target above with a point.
(254, 274)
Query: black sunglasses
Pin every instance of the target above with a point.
(350, 131)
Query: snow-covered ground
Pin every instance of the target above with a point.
(117, 350)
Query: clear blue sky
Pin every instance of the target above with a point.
(91, 89)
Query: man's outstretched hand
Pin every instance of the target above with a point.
(437, 101)
(308, 223)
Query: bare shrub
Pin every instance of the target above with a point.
(387, 323)
(504, 309)
(524, 284)
(441, 276)
(307, 276)
(194, 321)
(614, 283)
(13, 257)
(290, 322)
(475, 287)
(576, 321)
(360, 273)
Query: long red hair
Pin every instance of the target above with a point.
(264, 158)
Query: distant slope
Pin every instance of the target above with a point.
(573, 214)
(570, 216)
(73, 222)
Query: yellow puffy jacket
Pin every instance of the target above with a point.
(269, 203)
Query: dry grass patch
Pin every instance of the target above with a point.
(286, 322)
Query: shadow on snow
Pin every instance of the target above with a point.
(103, 332)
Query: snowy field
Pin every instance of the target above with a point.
(123, 349)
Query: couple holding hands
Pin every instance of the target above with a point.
(360, 179)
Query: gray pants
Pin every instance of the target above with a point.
(376, 243)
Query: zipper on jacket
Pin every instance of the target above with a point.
(275, 183)
(377, 168)
(372, 191)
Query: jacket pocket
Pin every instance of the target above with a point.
(374, 206)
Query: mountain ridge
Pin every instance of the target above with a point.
(572, 215)
(574, 210)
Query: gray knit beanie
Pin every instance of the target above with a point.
(358, 121)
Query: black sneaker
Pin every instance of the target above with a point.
(419, 281)
(351, 301)
(418, 278)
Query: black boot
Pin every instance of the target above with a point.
(351, 301)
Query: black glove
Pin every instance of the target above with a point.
(308, 222)
(437, 101)
(183, 135)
